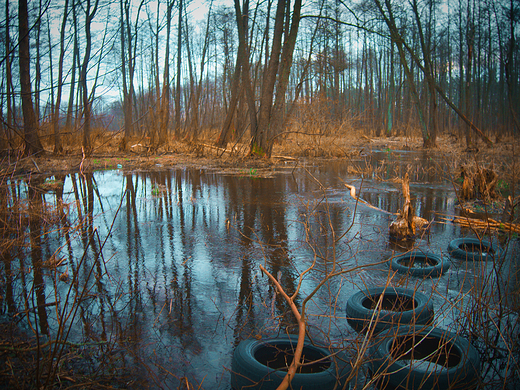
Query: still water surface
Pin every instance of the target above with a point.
(165, 264)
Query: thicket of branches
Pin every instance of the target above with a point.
(253, 68)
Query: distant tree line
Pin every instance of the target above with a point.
(250, 70)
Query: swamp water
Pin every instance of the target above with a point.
(160, 272)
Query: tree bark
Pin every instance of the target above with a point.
(262, 134)
(58, 148)
(277, 122)
(179, 63)
(9, 79)
(398, 40)
(83, 77)
(32, 141)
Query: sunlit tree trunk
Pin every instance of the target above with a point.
(30, 125)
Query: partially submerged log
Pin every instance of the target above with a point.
(489, 224)
(407, 223)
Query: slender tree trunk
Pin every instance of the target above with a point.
(37, 66)
(262, 134)
(430, 141)
(397, 39)
(283, 79)
(165, 95)
(75, 64)
(127, 98)
(242, 71)
(391, 92)
(83, 77)
(198, 91)
(509, 67)
(179, 63)
(58, 148)
(9, 78)
(467, 86)
(32, 141)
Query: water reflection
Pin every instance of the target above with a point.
(164, 265)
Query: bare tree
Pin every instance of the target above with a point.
(128, 47)
(8, 78)
(179, 63)
(87, 109)
(32, 141)
(58, 148)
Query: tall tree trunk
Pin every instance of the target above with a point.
(391, 92)
(87, 147)
(283, 79)
(430, 141)
(9, 78)
(128, 60)
(58, 148)
(179, 63)
(262, 134)
(467, 86)
(509, 66)
(127, 98)
(165, 94)
(398, 40)
(32, 141)
(196, 99)
(75, 64)
(37, 66)
(242, 71)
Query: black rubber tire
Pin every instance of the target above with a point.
(458, 367)
(458, 249)
(248, 370)
(416, 308)
(435, 265)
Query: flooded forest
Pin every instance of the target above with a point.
(259, 194)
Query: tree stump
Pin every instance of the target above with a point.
(407, 223)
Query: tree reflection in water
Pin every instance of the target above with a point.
(163, 266)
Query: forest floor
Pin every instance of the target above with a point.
(503, 155)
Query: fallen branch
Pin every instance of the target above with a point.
(352, 190)
(484, 224)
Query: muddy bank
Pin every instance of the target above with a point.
(203, 155)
